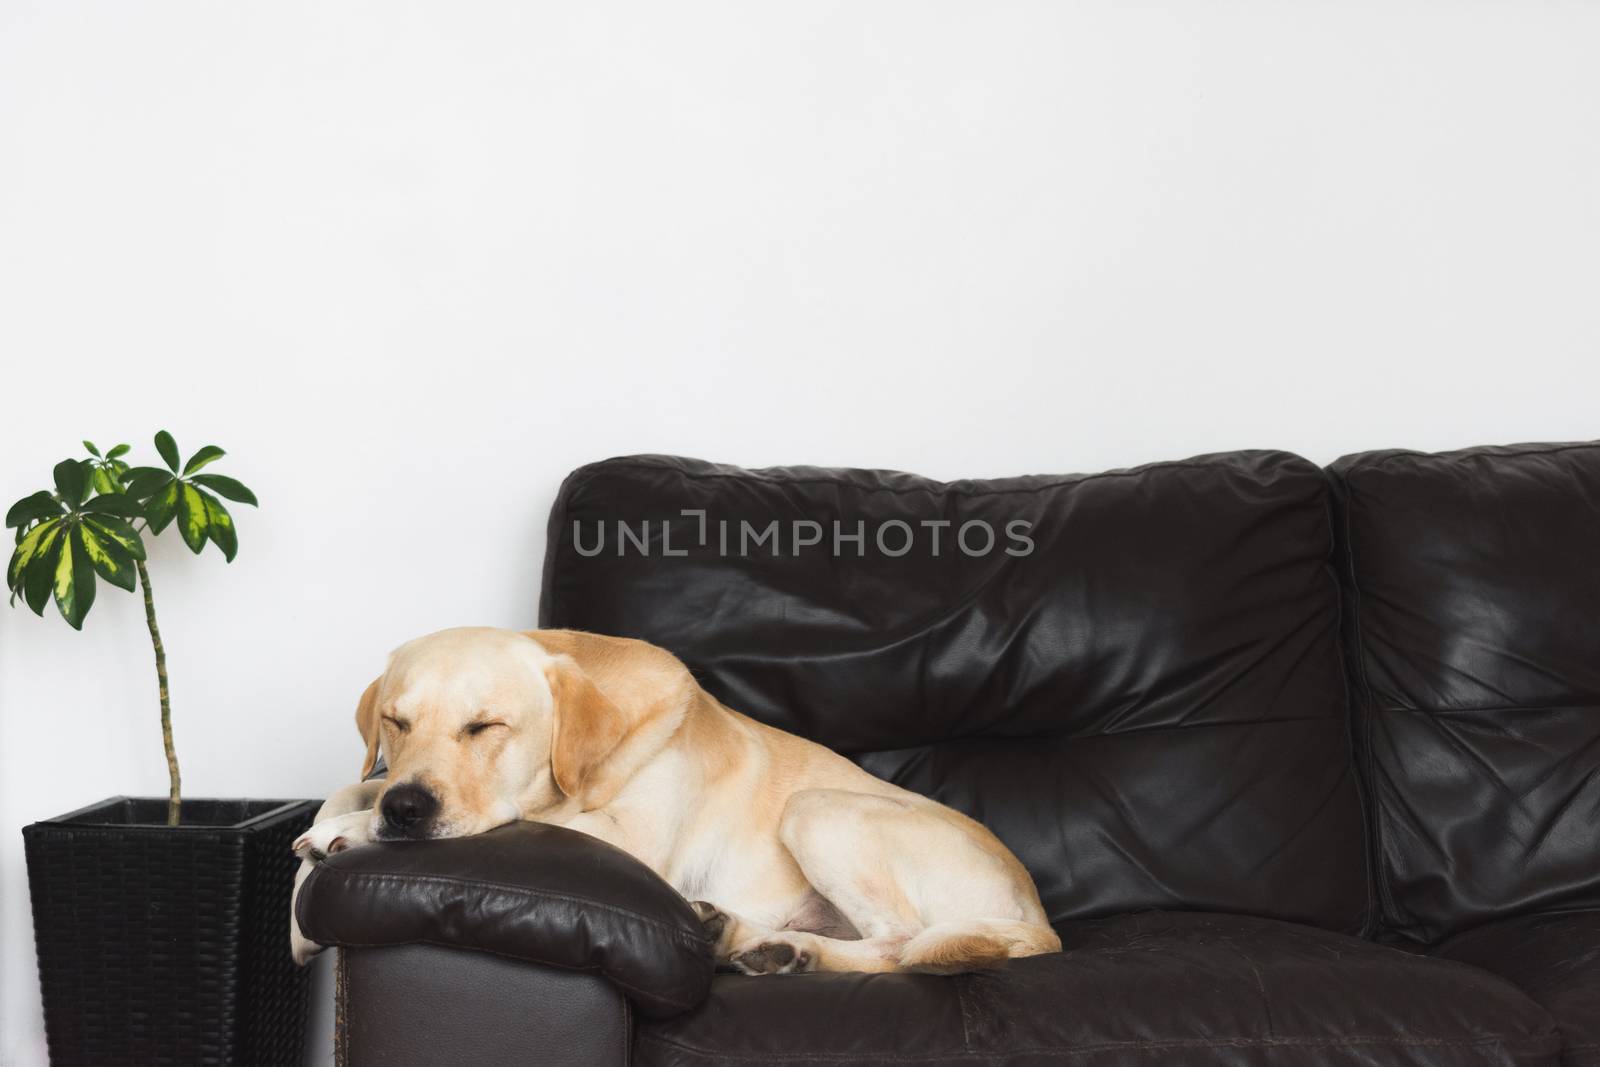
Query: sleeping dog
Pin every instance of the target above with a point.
(796, 858)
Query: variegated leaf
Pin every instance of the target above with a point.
(109, 559)
(206, 455)
(33, 547)
(224, 486)
(191, 517)
(74, 580)
(114, 529)
(145, 482)
(104, 481)
(40, 573)
(219, 527)
(160, 509)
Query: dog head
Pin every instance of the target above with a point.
(481, 727)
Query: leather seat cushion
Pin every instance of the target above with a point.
(1149, 988)
(1555, 959)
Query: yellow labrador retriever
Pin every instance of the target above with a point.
(796, 858)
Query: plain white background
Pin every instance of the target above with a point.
(410, 263)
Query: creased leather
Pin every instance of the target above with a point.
(1155, 988)
(1149, 708)
(1555, 959)
(1473, 625)
(534, 892)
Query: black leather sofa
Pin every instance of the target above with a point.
(1305, 762)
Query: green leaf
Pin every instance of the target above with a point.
(160, 509)
(219, 526)
(110, 560)
(71, 482)
(123, 533)
(118, 452)
(74, 580)
(227, 487)
(191, 517)
(104, 481)
(93, 451)
(114, 504)
(41, 573)
(144, 482)
(41, 505)
(168, 449)
(206, 455)
(33, 547)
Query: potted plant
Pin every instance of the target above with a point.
(160, 924)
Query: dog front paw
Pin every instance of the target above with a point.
(712, 920)
(320, 842)
(302, 949)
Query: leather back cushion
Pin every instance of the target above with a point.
(1148, 707)
(1473, 586)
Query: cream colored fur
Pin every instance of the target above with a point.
(796, 858)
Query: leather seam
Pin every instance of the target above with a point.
(1447, 712)
(1371, 906)
(690, 940)
(1538, 1041)
(936, 488)
(627, 1031)
(1387, 905)
(342, 1011)
(1375, 462)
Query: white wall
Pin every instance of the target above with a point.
(410, 263)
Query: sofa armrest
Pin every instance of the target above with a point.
(542, 894)
(423, 1004)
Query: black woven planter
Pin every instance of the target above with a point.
(169, 945)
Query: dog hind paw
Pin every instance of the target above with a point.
(772, 957)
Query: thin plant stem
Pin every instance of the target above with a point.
(174, 797)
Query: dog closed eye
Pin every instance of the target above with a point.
(399, 724)
(473, 729)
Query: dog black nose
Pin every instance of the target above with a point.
(408, 807)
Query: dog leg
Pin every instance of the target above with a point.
(861, 851)
(750, 948)
(341, 823)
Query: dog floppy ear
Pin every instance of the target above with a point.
(367, 722)
(588, 727)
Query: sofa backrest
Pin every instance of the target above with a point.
(1472, 585)
(1136, 683)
